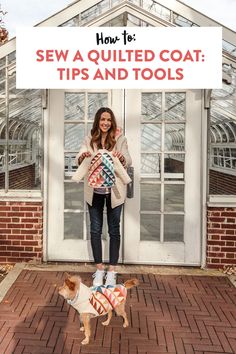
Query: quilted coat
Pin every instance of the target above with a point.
(98, 300)
(118, 192)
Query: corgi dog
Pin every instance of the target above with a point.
(96, 301)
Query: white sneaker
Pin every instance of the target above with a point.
(111, 278)
(98, 277)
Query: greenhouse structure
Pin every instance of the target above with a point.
(182, 143)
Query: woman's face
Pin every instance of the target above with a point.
(105, 122)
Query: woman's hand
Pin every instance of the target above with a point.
(120, 157)
(82, 156)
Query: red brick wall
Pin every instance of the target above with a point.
(221, 237)
(221, 183)
(21, 231)
(20, 178)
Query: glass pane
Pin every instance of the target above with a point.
(3, 146)
(24, 155)
(150, 137)
(94, 11)
(216, 134)
(2, 62)
(174, 137)
(74, 106)
(26, 110)
(74, 196)
(174, 197)
(96, 101)
(156, 9)
(233, 157)
(73, 226)
(175, 107)
(118, 21)
(220, 182)
(2, 167)
(174, 166)
(12, 84)
(73, 22)
(136, 2)
(151, 106)
(74, 136)
(151, 164)
(133, 20)
(2, 113)
(231, 126)
(222, 158)
(70, 164)
(150, 197)
(182, 21)
(222, 133)
(2, 179)
(150, 227)
(173, 228)
(12, 57)
(115, 2)
(24, 177)
(229, 47)
(2, 81)
(89, 127)
(127, 20)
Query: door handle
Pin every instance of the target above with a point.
(130, 186)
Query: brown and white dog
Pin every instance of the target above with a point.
(96, 301)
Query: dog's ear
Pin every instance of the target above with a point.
(70, 284)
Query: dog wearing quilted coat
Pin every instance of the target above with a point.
(96, 301)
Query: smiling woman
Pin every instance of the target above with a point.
(105, 135)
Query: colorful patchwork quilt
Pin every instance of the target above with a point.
(105, 299)
(101, 171)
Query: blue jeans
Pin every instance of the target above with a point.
(96, 222)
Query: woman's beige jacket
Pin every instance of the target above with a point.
(120, 146)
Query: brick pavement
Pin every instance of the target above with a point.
(172, 314)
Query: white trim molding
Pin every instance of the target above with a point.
(222, 201)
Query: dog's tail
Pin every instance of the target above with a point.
(131, 283)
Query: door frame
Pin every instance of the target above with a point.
(118, 104)
(55, 186)
(134, 251)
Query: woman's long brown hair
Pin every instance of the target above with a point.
(96, 133)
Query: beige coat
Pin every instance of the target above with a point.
(122, 147)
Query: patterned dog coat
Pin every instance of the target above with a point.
(106, 298)
(98, 300)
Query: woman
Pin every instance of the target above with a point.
(105, 135)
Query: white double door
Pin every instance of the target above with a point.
(161, 223)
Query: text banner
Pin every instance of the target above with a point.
(119, 57)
